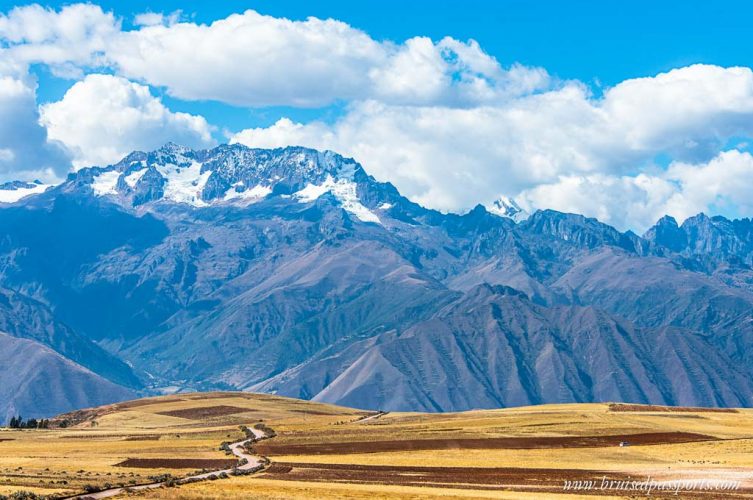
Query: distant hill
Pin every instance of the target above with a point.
(38, 382)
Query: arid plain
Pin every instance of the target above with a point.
(324, 451)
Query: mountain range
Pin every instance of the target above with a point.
(293, 271)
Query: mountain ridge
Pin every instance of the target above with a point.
(295, 271)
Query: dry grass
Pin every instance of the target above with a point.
(65, 460)
(243, 488)
(192, 426)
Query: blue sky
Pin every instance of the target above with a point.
(598, 44)
(620, 110)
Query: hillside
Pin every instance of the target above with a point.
(337, 452)
(38, 381)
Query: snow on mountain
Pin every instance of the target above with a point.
(250, 195)
(132, 179)
(344, 189)
(184, 184)
(233, 174)
(507, 207)
(105, 183)
(11, 192)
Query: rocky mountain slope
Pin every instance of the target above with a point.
(294, 271)
(495, 348)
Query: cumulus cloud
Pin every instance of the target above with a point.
(66, 40)
(684, 112)
(251, 59)
(442, 119)
(720, 186)
(265, 61)
(25, 151)
(450, 72)
(102, 118)
(451, 158)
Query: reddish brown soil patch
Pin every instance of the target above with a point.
(145, 437)
(477, 478)
(139, 403)
(1, 440)
(457, 477)
(313, 412)
(279, 468)
(617, 407)
(272, 448)
(95, 437)
(178, 463)
(205, 412)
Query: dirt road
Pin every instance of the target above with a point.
(372, 417)
(252, 462)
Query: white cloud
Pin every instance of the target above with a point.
(625, 202)
(25, 152)
(722, 185)
(102, 118)
(265, 60)
(684, 111)
(251, 59)
(443, 120)
(66, 40)
(157, 18)
(148, 19)
(719, 186)
(451, 158)
(450, 72)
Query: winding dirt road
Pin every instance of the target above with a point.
(252, 461)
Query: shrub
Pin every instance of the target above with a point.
(22, 495)
(268, 431)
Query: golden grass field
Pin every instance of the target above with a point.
(324, 451)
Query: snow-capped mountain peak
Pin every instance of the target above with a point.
(507, 207)
(232, 174)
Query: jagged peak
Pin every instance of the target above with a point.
(698, 219)
(667, 220)
(549, 215)
(508, 207)
(172, 147)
